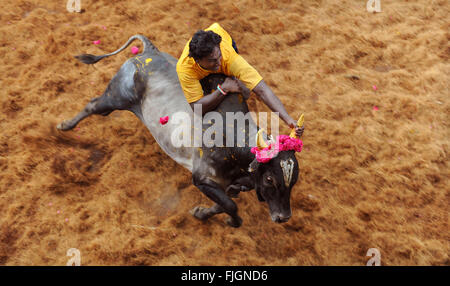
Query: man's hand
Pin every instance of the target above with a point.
(230, 85)
(270, 99)
(298, 130)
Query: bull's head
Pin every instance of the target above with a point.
(276, 172)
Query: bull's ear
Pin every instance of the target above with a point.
(253, 166)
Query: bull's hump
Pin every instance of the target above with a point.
(151, 64)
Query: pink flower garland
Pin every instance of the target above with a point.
(283, 143)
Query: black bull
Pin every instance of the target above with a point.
(148, 86)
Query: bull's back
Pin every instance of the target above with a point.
(243, 128)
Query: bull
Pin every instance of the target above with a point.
(147, 85)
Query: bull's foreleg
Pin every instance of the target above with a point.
(243, 184)
(205, 213)
(223, 203)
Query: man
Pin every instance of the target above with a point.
(214, 51)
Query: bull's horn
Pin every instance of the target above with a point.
(260, 142)
(299, 123)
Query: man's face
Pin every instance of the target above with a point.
(212, 61)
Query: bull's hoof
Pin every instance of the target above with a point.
(65, 126)
(233, 191)
(234, 222)
(199, 213)
(245, 189)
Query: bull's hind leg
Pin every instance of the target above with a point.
(99, 105)
(123, 93)
(223, 203)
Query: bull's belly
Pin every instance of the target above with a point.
(163, 98)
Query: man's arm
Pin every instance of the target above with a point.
(211, 101)
(273, 102)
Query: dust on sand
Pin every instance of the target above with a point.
(374, 170)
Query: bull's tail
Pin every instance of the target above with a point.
(92, 59)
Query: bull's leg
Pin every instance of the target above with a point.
(202, 213)
(99, 105)
(243, 184)
(233, 191)
(224, 204)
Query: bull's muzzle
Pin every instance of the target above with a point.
(280, 218)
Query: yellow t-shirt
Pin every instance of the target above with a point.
(190, 73)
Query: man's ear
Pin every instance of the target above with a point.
(253, 166)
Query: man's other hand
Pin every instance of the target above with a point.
(298, 130)
(230, 85)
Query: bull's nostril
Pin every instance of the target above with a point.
(278, 218)
(283, 218)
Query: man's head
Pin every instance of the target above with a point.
(205, 49)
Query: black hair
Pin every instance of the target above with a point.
(203, 43)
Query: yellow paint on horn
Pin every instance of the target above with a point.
(299, 124)
(260, 143)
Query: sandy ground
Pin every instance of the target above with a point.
(374, 170)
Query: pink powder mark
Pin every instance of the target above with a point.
(58, 212)
(164, 120)
(375, 87)
(96, 42)
(134, 50)
(375, 108)
(50, 204)
(66, 219)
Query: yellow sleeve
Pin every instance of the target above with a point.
(191, 87)
(245, 72)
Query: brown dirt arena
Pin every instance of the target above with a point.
(369, 178)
